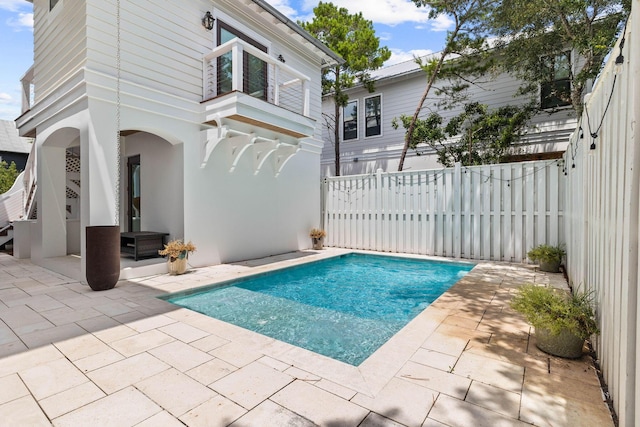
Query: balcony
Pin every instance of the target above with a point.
(245, 88)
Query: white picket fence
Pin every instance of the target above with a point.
(493, 212)
(602, 218)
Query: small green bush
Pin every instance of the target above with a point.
(8, 175)
(548, 308)
(546, 253)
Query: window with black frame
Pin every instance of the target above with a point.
(254, 69)
(373, 115)
(556, 92)
(350, 121)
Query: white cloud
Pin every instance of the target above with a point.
(398, 55)
(21, 22)
(5, 98)
(441, 23)
(12, 5)
(389, 12)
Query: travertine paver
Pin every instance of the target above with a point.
(180, 355)
(23, 411)
(11, 388)
(71, 399)
(126, 372)
(175, 392)
(218, 411)
(454, 412)
(319, 406)
(51, 378)
(126, 407)
(251, 384)
(272, 414)
(468, 360)
(402, 401)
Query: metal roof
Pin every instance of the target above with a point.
(10, 141)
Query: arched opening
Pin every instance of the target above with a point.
(57, 205)
(152, 196)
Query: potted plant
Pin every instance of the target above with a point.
(177, 253)
(317, 237)
(548, 257)
(562, 320)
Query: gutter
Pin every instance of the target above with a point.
(299, 30)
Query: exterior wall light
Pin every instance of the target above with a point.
(208, 20)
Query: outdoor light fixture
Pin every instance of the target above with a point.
(207, 21)
(281, 58)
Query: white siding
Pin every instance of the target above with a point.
(59, 43)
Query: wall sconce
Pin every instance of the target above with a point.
(281, 58)
(208, 20)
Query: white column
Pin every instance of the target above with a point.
(51, 196)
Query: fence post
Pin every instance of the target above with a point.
(379, 213)
(457, 183)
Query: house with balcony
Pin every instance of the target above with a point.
(369, 142)
(198, 120)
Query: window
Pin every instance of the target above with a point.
(373, 116)
(254, 69)
(52, 4)
(350, 121)
(557, 91)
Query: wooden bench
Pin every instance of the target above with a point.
(142, 244)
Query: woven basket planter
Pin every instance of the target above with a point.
(179, 266)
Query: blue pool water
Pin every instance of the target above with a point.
(344, 307)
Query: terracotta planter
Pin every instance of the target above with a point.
(102, 256)
(565, 344)
(317, 242)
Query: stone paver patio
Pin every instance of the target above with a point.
(73, 357)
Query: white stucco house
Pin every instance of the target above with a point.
(219, 110)
(369, 142)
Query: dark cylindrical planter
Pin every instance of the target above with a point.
(103, 256)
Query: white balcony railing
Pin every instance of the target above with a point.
(27, 92)
(227, 69)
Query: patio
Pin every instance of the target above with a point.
(73, 357)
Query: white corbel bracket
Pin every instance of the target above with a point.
(283, 154)
(209, 140)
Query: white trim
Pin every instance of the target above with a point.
(227, 19)
(52, 13)
(357, 101)
(364, 113)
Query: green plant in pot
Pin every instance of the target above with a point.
(562, 320)
(548, 257)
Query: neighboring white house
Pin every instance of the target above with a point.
(369, 142)
(220, 127)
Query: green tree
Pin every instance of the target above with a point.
(531, 32)
(352, 37)
(476, 136)
(466, 42)
(8, 175)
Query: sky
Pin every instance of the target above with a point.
(401, 26)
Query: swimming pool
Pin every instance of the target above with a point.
(344, 307)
